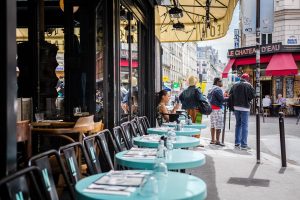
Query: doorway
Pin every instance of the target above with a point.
(266, 88)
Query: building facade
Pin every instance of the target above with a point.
(280, 53)
(178, 62)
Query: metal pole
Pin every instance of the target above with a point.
(223, 131)
(257, 81)
(229, 117)
(282, 140)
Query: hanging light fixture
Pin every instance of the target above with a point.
(62, 5)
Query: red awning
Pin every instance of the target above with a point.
(282, 64)
(228, 67)
(252, 60)
(125, 63)
(296, 56)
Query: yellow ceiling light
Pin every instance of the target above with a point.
(199, 19)
(61, 5)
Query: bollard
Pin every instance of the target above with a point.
(282, 139)
(224, 125)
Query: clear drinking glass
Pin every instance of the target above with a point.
(39, 117)
(149, 188)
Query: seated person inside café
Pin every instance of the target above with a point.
(163, 98)
(266, 102)
(281, 103)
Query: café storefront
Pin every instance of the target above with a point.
(280, 66)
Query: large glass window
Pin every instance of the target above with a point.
(129, 65)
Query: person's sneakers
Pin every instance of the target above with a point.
(245, 148)
(220, 144)
(237, 146)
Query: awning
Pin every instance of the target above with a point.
(252, 60)
(193, 20)
(228, 67)
(282, 64)
(125, 63)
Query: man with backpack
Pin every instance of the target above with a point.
(216, 99)
(242, 94)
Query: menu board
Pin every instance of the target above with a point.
(279, 85)
(289, 87)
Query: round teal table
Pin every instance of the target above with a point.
(176, 186)
(164, 130)
(176, 159)
(181, 142)
(194, 125)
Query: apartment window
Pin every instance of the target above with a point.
(266, 39)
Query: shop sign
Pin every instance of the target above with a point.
(292, 40)
(266, 78)
(250, 51)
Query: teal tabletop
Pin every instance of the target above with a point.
(176, 159)
(193, 125)
(180, 142)
(184, 131)
(175, 186)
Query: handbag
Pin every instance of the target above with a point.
(205, 107)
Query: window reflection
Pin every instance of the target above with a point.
(129, 65)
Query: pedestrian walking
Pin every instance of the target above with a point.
(243, 92)
(216, 99)
(190, 98)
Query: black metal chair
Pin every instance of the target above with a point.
(68, 153)
(112, 143)
(101, 139)
(90, 146)
(47, 161)
(142, 128)
(129, 133)
(25, 184)
(146, 121)
(120, 138)
(139, 131)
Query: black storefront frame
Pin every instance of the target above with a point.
(8, 77)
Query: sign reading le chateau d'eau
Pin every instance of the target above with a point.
(250, 51)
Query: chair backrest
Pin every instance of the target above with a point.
(46, 161)
(90, 147)
(146, 121)
(111, 143)
(104, 153)
(143, 123)
(84, 121)
(24, 185)
(68, 153)
(129, 132)
(119, 136)
(140, 126)
(24, 135)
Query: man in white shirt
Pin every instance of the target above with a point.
(266, 102)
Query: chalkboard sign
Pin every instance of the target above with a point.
(289, 87)
(279, 85)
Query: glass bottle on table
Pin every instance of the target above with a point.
(160, 166)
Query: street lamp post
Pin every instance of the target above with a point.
(257, 105)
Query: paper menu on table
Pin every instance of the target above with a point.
(144, 153)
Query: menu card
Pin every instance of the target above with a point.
(141, 153)
(151, 137)
(118, 182)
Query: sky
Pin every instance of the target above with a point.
(227, 42)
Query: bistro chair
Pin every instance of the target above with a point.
(142, 129)
(111, 143)
(146, 121)
(90, 146)
(73, 162)
(136, 127)
(120, 138)
(104, 150)
(24, 184)
(49, 162)
(129, 133)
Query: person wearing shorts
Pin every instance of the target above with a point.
(216, 99)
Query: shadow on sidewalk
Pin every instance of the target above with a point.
(207, 173)
(250, 181)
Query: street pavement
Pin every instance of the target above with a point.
(233, 174)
